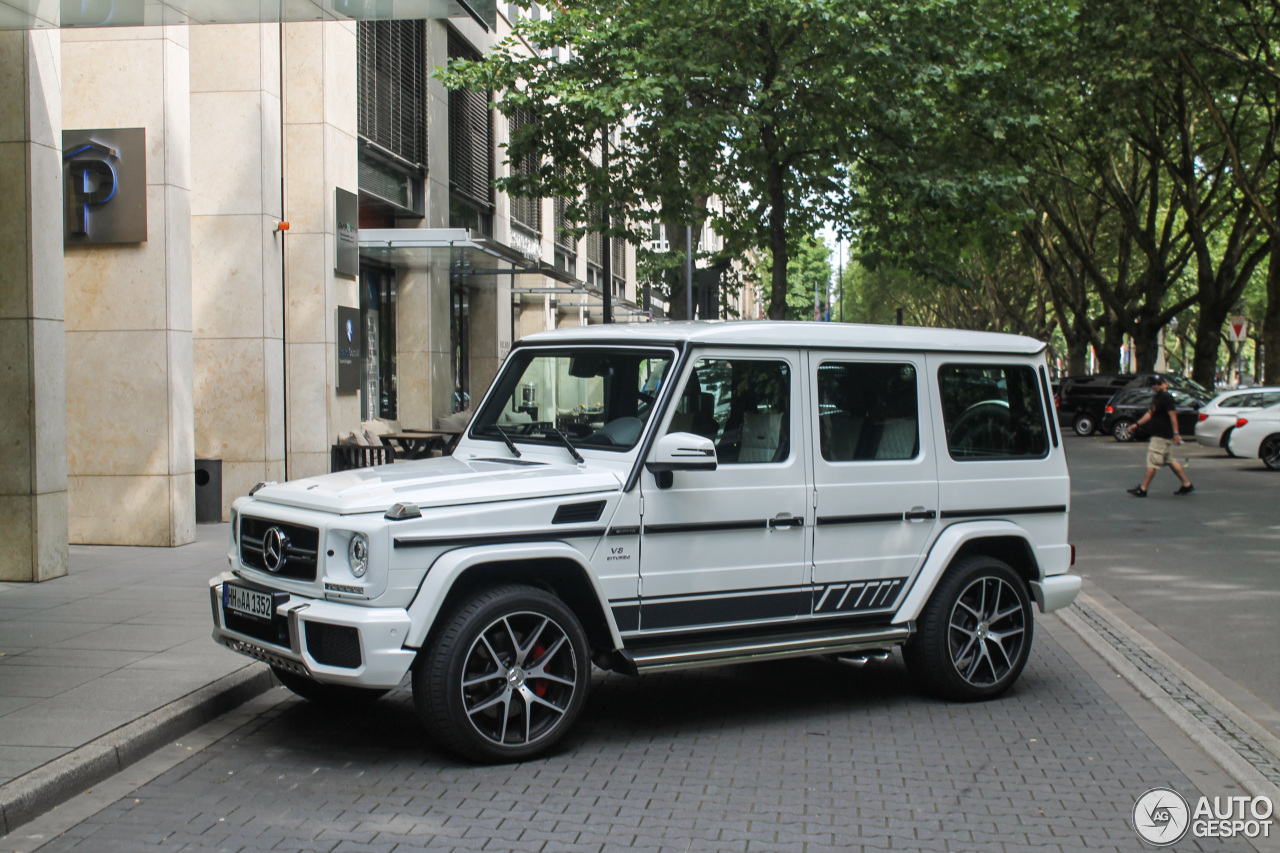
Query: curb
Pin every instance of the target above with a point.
(32, 794)
(1222, 752)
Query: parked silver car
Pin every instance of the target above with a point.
(1218, 418)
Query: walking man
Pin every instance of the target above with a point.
(1164, 438)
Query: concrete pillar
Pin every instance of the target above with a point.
(320, 156)
(130, 450)
(237, 255)
(33, 435)
(423, 377)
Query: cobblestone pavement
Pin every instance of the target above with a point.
(800, 755)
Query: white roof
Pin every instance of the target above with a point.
(768, 333)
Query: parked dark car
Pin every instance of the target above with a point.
(1125, 408)
(1082, 399)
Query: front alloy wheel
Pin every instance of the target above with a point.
(506, 677)
(1269, 452)
(1121, 430)
(974, 636)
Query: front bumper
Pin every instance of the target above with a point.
(356, 646)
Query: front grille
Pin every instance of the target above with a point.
(301, 544)
(333, 645)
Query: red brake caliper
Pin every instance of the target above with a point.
(539, 684)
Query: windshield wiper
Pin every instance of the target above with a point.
(568, 445)
(511, 445)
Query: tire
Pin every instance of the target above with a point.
(1120, 429)
(1084, 424)
(514, 648)
(1225, 442)
(1269, 452)
(974, 636)
(330, 695)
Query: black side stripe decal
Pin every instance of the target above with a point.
(498, 538)
(707, 526)
(1014, 510)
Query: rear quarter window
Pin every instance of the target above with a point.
(992, 412)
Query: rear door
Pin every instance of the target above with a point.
(875, 477)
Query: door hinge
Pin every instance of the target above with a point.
(642, 506)
(815, 497)
(639, 587)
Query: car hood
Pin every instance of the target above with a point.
(444, 481)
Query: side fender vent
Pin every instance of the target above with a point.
(578, 513)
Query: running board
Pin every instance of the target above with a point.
(688, 655)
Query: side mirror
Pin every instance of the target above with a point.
(680, 451)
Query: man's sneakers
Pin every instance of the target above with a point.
(1186, 490)
(1138, 492)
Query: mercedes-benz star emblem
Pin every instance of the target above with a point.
(275, 545)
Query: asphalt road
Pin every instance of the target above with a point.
(1205, 567)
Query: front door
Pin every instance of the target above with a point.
(876, 479)
(728, 547)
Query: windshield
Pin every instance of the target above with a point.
(599, 398)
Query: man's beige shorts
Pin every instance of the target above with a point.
(1159, 452)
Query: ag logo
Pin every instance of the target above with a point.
(1161, 817)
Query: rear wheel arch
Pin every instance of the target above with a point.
(1014, 551)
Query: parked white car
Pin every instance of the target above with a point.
(1218, 418)
(653, 497)
(1257, 436)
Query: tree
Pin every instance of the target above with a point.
(808, 271)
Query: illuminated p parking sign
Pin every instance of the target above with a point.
(104, 179)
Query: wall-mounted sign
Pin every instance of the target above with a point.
(350, 347)
(526, 244)
(104, 179)
(347, 229)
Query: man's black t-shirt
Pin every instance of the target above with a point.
(1161, 406)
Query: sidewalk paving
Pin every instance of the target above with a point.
(124, 635)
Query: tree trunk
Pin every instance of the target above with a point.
(1146, 346)
(778, 244)
(677, 301)
(1204, 363)
(1109, 346)
(1078, 355)
(1270, 331)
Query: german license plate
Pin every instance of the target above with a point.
(247, 601)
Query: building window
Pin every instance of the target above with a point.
(525, 211)
(378, 367)
(391, 110)
(566, 246)
(470, 140)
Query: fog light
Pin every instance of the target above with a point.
(358, 554)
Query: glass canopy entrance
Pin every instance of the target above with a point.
(44, 14)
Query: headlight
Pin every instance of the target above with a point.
(358, 554)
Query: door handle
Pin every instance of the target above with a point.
(919, 513)
(783, 521)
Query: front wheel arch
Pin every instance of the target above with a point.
(563, 578)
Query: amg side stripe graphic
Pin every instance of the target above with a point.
(871, 595)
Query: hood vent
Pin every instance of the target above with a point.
(578, 513)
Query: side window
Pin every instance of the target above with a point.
(867, 411)
(1270, 398)
(992, 412)
(742, 405)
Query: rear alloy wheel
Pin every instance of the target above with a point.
(1120, 429)
(974, 636)
(329, 695)
(1084, 424)
(1270, 452)
(506, 676)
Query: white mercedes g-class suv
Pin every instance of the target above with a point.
(650, 497)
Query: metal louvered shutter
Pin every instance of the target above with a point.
(595, 245)
(564, 240)
(391, 72)
(470, 136)
(526, 211)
